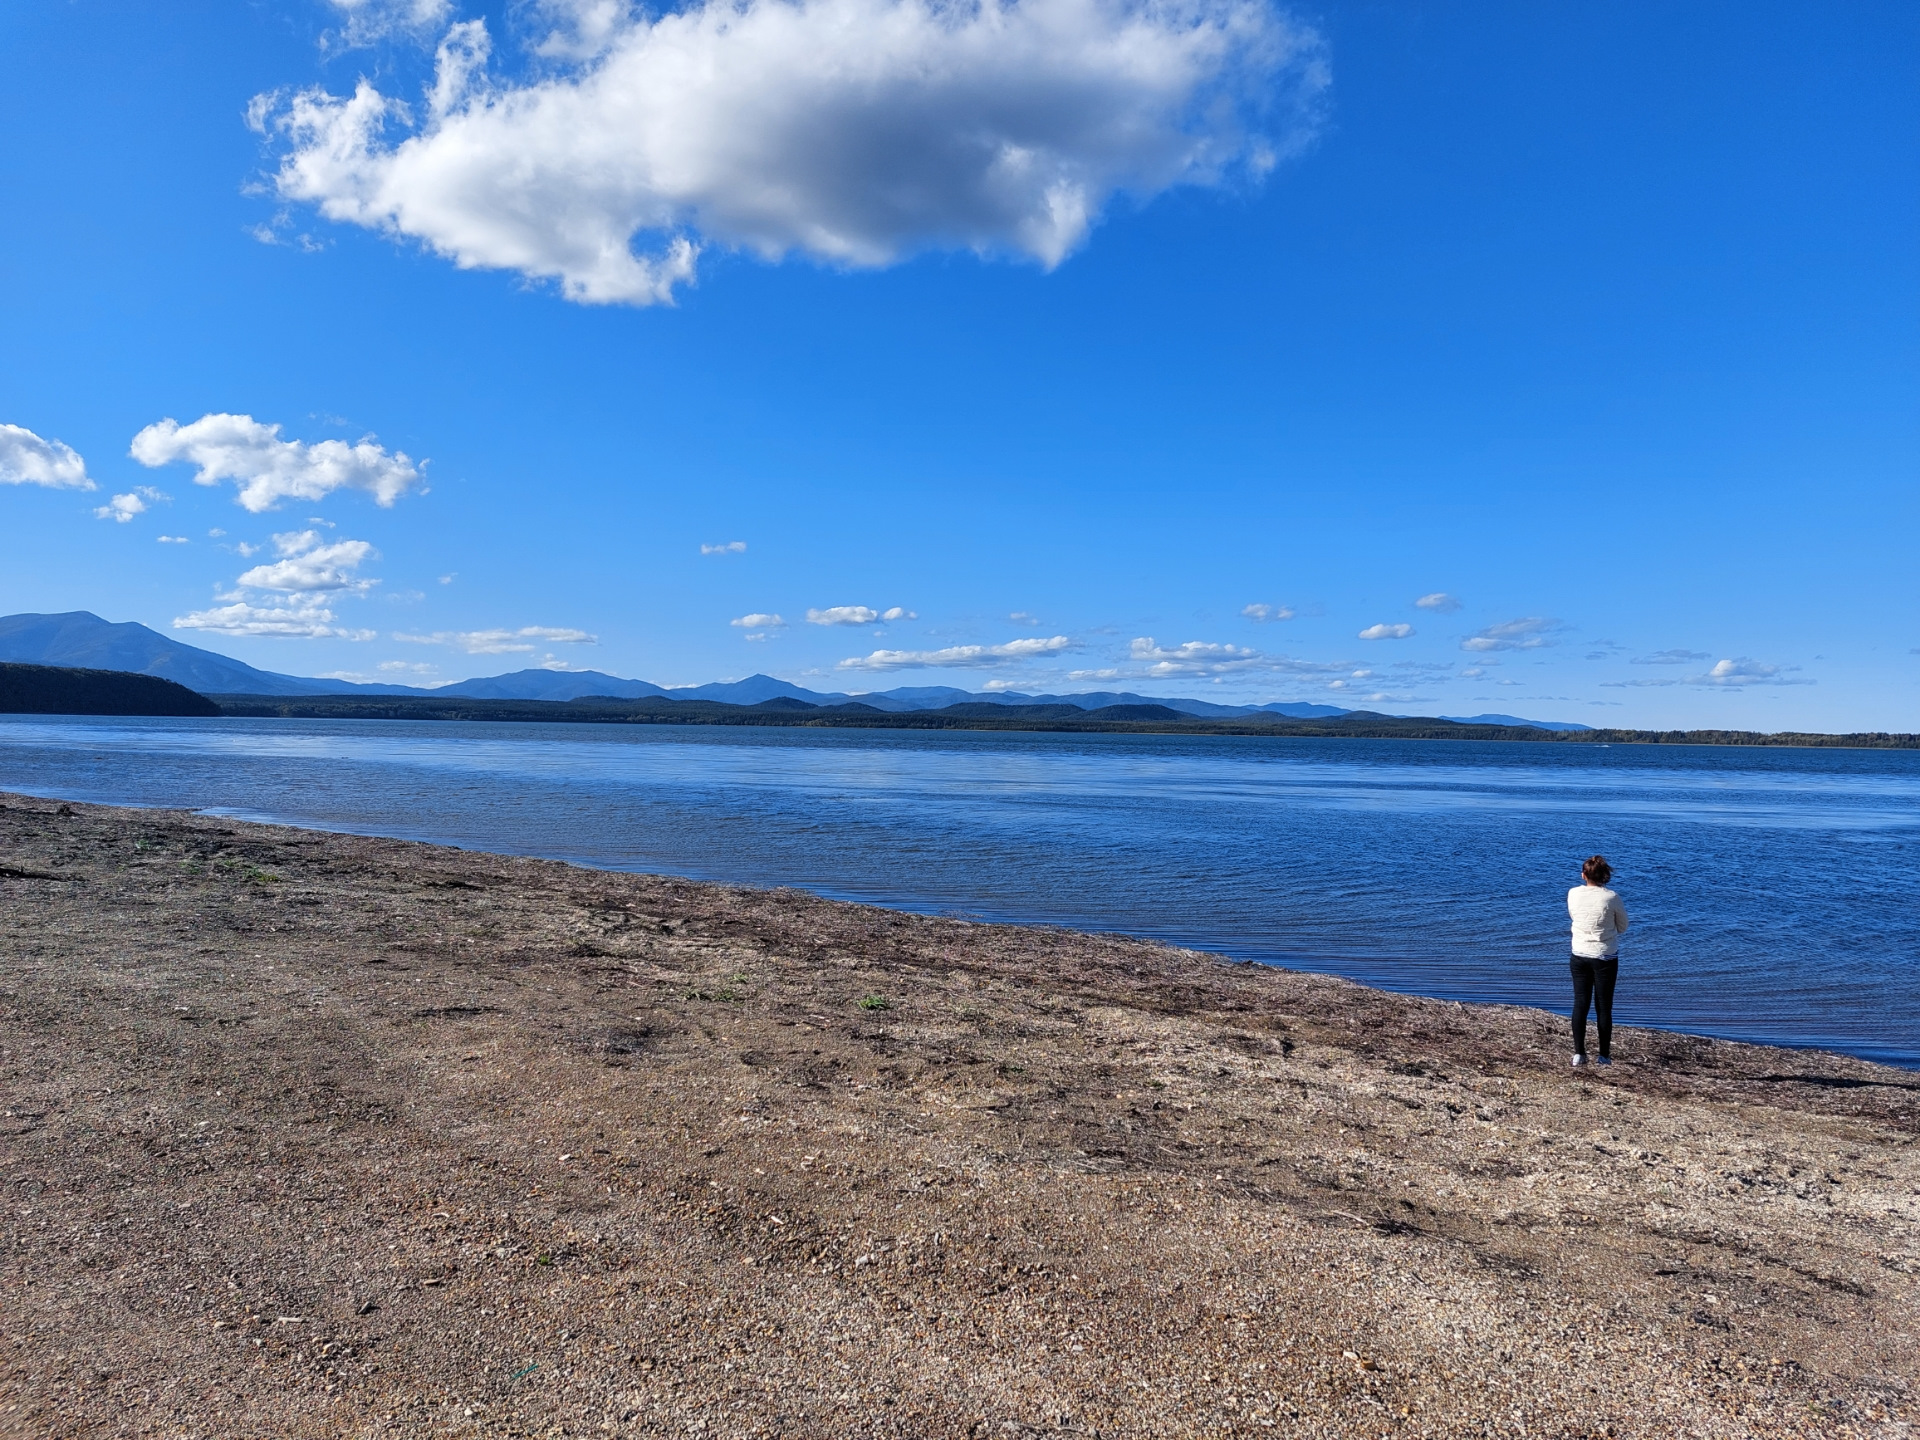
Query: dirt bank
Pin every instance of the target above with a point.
(310, 1135)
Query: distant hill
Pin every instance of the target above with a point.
(1514, 720)
(548, 685)
(82, 638)
(64, 690)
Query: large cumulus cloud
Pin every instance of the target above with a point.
(852, 131)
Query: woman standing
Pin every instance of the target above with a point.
(1598, 918)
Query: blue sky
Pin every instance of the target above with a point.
(1600, 324)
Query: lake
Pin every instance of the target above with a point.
(1772, 891)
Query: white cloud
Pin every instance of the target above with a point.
(759, 621)
(173, 539)
(1199, 659)
(1529, 633)
(843, 615)
(854, 131)
(1725, 674)
(122, 508)
(1109, 673)
(1386, 632)
(268, 469)
(26, 459)
(957, 657)
(1021, 617)
(369, 21)
(306, 564)
(448, 579)
(1439, 602)
(409, 667)
(1472, 672)
(731, 547)
(898, 612)
(1267, 614)
(301, 619)
(500, 642)
(1671, 657)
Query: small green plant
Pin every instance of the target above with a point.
(876, 1002)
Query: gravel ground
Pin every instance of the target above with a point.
(315, 1135)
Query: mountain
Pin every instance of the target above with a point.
(548, 685)
(1516, 720)
(82, 639)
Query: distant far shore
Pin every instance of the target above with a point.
(64, 690)
(1113, 719)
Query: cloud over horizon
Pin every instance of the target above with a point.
(269, 470)
(1199, 659)
(964, 657)
(501, 642)
(1531, 632)
(26, 459)
(307, 565)
(303, 619)
(855, 132)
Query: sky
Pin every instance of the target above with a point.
(1560, 361)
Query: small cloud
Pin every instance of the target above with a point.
(897, 612)
(1267, 614)
(957, 656)
(173, 539)
(1398, 631)
(1724, 675)
(408, 667)
(1200, 659)
(1745, 672)
(244, 550)
(843, 615)
(448, 579)
(1440, 602)
(1530, 633)
(216, 534)
(122, 508)
(500, 642)
(729, 547)
(1472, 672)
(269, 470)
(307, 565)
(1672, 657)
(406, 597)
(1021, 617)
(300, 619)
(759, 621)
(1107, 674)
(26, 459)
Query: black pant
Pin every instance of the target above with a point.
(1593, 985)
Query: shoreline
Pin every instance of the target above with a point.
(1902, 1061)
(318, 1134)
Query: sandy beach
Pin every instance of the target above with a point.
(316, 1135)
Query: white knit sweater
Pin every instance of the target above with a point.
(1598, 918)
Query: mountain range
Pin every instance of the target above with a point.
(82, 639)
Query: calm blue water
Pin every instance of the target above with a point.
(1773, 892)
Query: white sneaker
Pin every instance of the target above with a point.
(1579, 1060)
